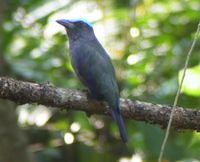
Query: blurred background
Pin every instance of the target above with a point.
(147, 40)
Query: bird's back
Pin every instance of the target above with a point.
(94, 68)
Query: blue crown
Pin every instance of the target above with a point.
(81, 19)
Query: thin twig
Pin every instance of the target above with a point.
(178, 93)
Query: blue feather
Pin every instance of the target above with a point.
(120, 123)
(81, 19)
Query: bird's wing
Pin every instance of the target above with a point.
(94, 68)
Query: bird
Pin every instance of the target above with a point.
(93, 66)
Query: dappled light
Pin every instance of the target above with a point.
(147, 41)
(69, 138)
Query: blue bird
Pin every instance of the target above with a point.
(93, 66)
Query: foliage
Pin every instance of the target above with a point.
(148, 41)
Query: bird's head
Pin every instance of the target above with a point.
(77, 28)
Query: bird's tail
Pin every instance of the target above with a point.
(120, 123)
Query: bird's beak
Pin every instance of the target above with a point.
(66, 23)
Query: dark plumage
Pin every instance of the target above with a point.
(93, 66)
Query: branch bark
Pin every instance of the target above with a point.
(25, 92)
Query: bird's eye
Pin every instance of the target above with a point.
(81, 23)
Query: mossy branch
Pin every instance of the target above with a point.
(25, 92)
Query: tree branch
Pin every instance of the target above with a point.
(45, 94)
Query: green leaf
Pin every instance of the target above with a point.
(191, 84)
